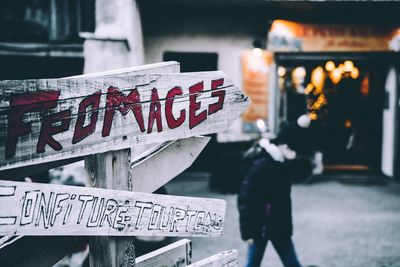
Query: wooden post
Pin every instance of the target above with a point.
(110, 170)
(102, 116)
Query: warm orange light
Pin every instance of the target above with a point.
(284, 27)
(298, 75)
(341, 67)
(348, 66)
(318, 79)
(313, 116)
(354, 73)
(321, 99)
(258, 52)
(281, 71)
(336, 75)
(365, 85)
(348, 123)
(309, 89)
(330, 65)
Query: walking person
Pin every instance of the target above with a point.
(264, 201)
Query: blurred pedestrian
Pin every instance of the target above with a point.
(264, 200)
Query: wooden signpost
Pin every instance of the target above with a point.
(44, 209)
(103, 117)
(53, 119)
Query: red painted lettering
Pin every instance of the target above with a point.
(48, 130)
(155, 112)
(171, 121)
(81, 131)
(21, 104)
(117, 100)
(194, 119)
(212, 108)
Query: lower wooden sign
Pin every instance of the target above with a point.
(175, 254)
(44, 209)
(226, 258)
(158, 165)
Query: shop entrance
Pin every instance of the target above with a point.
(344, 93)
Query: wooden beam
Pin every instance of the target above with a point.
(55, 119)
(226, 258)
(47, 209)
(175, 254)
(159, 165)
(110, 170)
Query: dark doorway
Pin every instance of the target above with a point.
(191, 62)
(23, 67)
(353, 116)
(354, 120)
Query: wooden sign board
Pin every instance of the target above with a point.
(44, 209)
(161, 162)
(175, 254)
(226, 258)
(156, 167)
(53, 119)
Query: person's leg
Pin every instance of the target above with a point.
(286, 252)
(256, 252)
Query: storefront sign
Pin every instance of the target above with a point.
(291, 36)
(256, 69)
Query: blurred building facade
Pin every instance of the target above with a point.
(69, 37)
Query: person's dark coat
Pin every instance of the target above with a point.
(264, 200)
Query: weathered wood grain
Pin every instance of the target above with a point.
(42, 209)
(176, 254)
(156, 167)
(226, 258)
(18, 173)
(47, 120)
(110, 170)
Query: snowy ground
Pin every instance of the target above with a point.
(336, 223)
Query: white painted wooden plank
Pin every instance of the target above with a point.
(75, 117)
(176, 254)
(44, 209)
(156, 167)
(226, 258)
(163, 67)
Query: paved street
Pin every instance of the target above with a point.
(341, 223)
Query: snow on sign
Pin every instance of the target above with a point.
(44, 209)
(53, 119)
